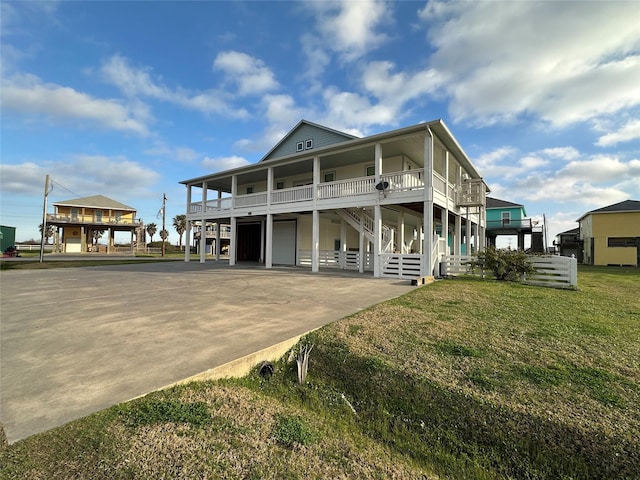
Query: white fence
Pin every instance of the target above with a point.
(554, 271)
(551, 270)
(400, 266)
(336, 259)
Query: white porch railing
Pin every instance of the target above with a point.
(251, 199)
(347, 188)
(398, 182)
(336, 259)
(400, 266)
(293, 194)
(405, 180)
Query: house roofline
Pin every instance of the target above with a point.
(301, 122)
(438, 126)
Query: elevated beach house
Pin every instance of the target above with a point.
(393, 203)
(77, 222)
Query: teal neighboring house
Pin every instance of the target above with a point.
(508, 218)
(7, 237)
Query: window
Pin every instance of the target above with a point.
(506, 217)
(621, 242)
(308, 144)
(299, 146)
(280, 185)
(118, 216)
(99, 216)
(370, 170)
(329, 177)
(249, 190)
(74, 214)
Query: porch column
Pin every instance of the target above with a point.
(361, 246)
(427, 210)
(203, 224)
(109, 240)
(343, 244)
(232, 242)
(234, 190)
(83, 240)
(187, 232)
(315, 231)
(268, 254)
(268, 262)
(445, 219)
(476, 241)
(457, 236)
(262, 229)
(400, 238)
(315, 242)
(377, 234)
(467, 233)
(378, 161)
(131, 241)
(218, 242)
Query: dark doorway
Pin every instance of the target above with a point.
(249, 235)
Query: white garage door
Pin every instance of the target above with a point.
(284, 242)
(74, 245)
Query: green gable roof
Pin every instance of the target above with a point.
(95, 201)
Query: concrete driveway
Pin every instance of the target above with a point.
(76, 340)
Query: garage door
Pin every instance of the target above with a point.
(74, 245)
(284, 242)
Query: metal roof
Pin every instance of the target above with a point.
(95, 201)
(626, 206)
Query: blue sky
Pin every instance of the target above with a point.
(125, 99)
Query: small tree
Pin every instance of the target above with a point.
(164, 234)
(152, 228)
(506, 265)
(180, 224)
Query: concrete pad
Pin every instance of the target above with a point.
(76, 340)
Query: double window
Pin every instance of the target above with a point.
(621, 242)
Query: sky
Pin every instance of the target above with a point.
(126, 99)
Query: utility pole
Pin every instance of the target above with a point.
(164, 209)
(44, 217)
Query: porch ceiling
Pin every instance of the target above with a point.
(411, 146)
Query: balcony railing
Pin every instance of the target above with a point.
(398, 182)
(91, 219)
(509, 224)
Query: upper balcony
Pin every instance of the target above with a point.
(395, 187)
(93, 220)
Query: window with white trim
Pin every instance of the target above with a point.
(505, 217)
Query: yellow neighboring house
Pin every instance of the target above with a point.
(77, 220)
(611, 235)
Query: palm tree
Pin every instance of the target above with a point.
(164, 234)
(152, 228)
(50, 232)
(180, 224)
(97, 234)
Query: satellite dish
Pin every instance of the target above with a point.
(382, 186)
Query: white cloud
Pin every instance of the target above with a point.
(181, 154)
(349, 27)
(137, 82)
(564, 153)
(561, 61)
(218, 164)
(627, 132)
(251, 74)
(86, 174)
(29, 95)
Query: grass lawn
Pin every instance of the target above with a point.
(463, 378)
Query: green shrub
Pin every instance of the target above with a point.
(291, 430)
(506, 264)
